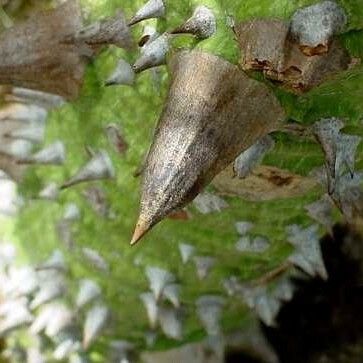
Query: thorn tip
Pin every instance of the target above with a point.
(141, 229)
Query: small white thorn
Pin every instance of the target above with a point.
(321, 211)
(257, 298)
(153, 54)
(202, 23)
(158, 279)
(230, 284)
(243, 227)
(258, 244)
(347, 146)
(250, 158)
(53, 154)
(96, 320)
(186, 252)
(171, 292)
(122, 75)
(99, 167)
(284, 290)
(49, 192)
(203, 265)
(66, 348)
(95, 259)
(308, 255)
(171, 323)
(208, 203)
(44, 316)
(88, 292)
(60, 318)
(151, 307)
(48, 291)
(267, 308)
(152, 9)
(209, 310)
(55, 262)
(71, 212)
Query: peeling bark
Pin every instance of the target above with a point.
(302, 73)
(267, 46)
(262, 42)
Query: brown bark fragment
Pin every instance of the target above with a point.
(264, 183)
(179, 215)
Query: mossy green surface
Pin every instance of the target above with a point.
(136, 110)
